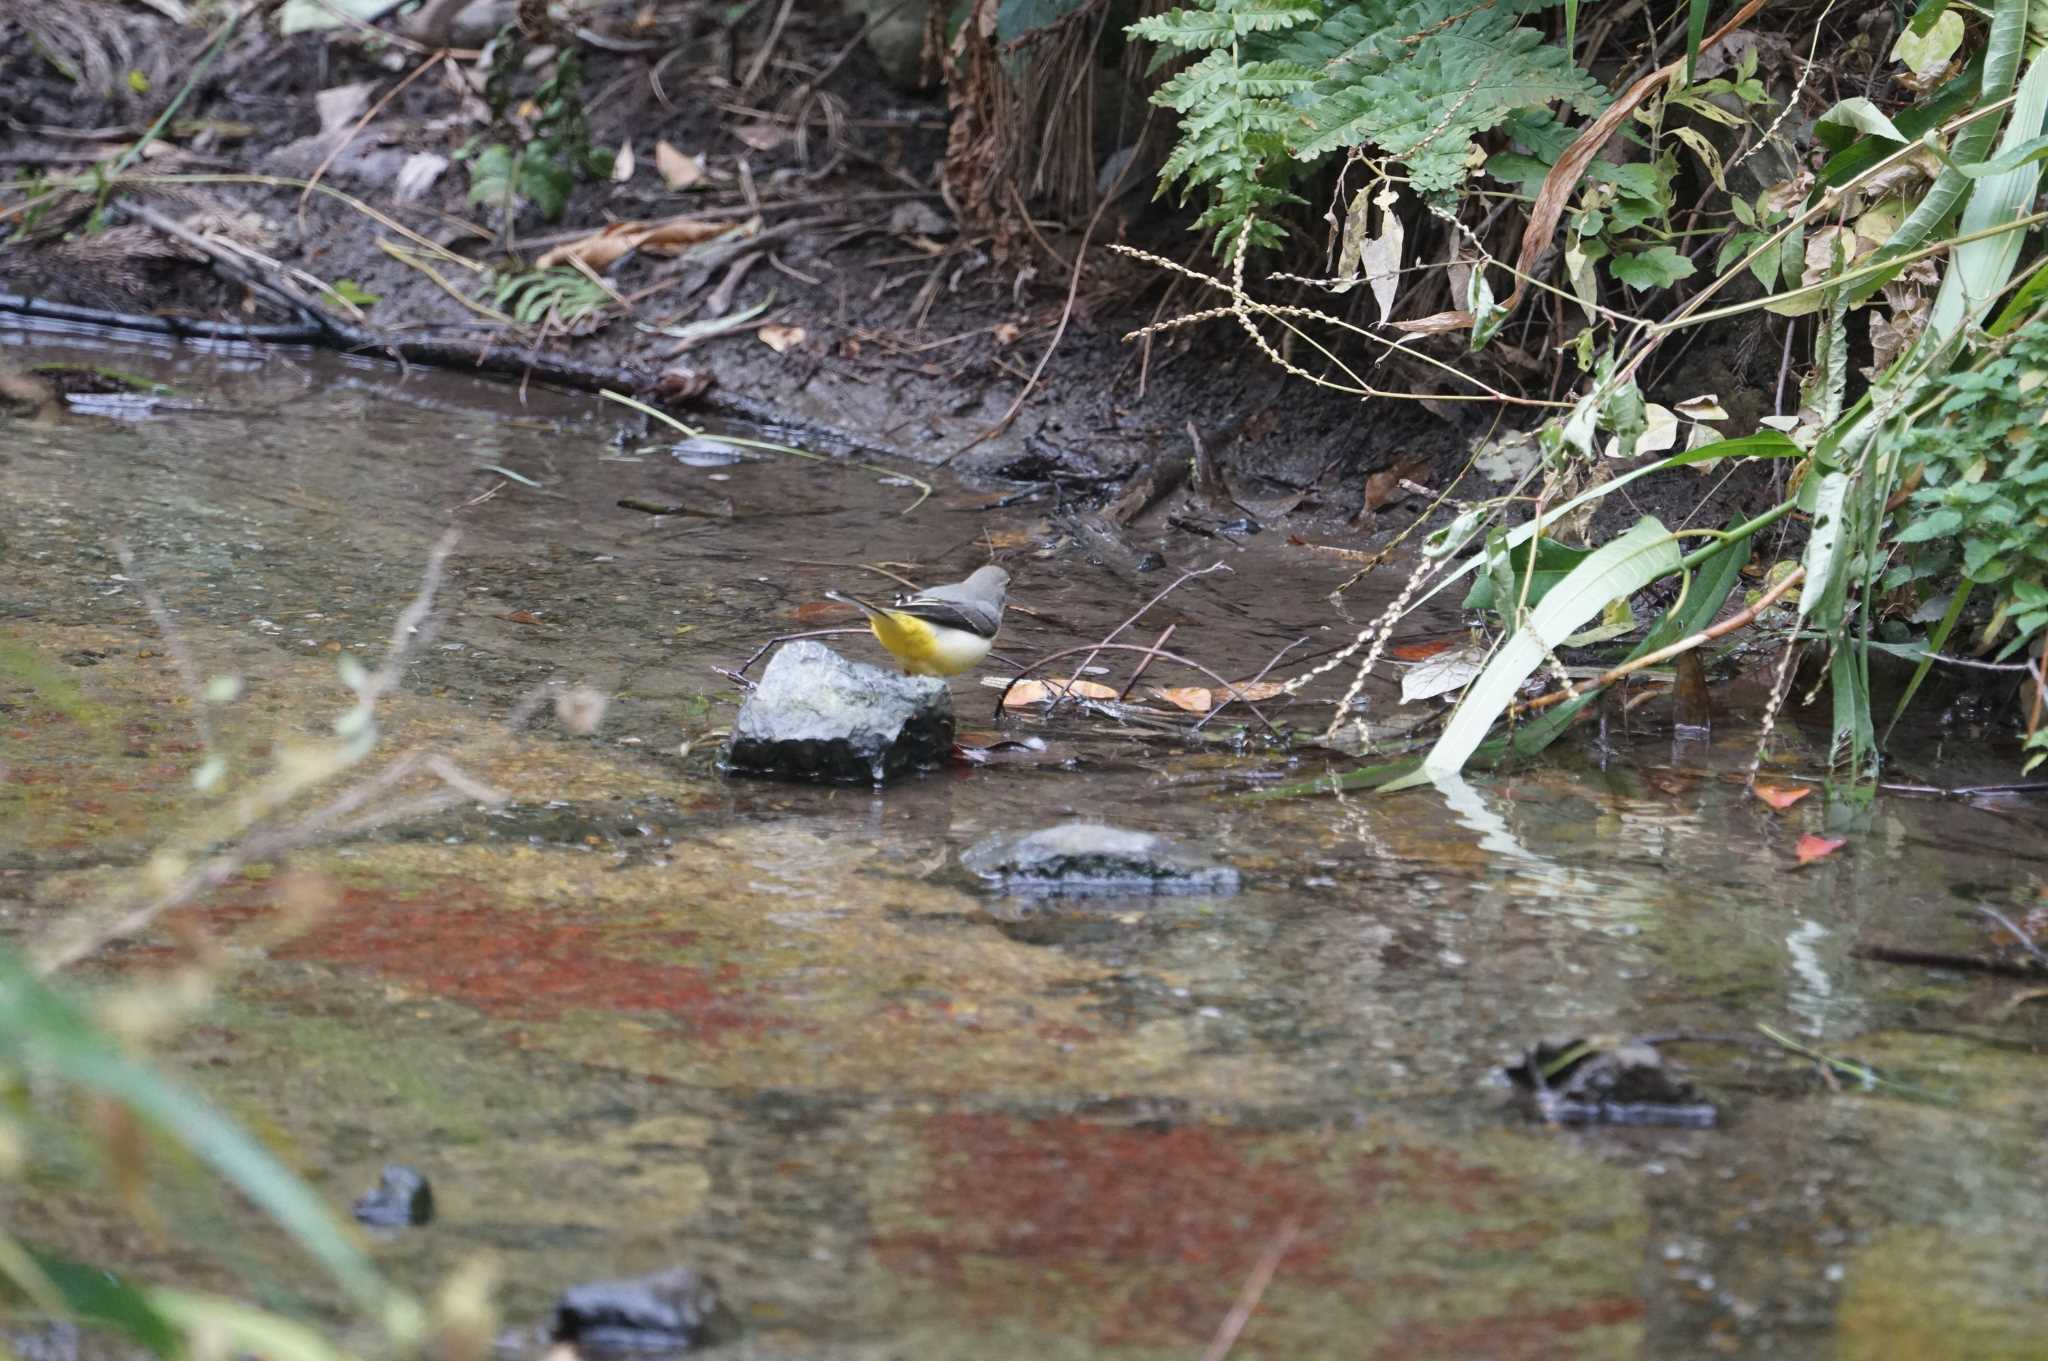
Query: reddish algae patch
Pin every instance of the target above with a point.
(533, 963)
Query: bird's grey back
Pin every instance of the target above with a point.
(982, 595)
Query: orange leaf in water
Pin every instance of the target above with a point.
(1812, 848)
(1026, 693)
(820, 611)
(1780, 796)
(1422, 649)
(1195, 699)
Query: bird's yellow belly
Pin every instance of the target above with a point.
(927, 651)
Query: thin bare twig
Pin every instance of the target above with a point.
(1144, 662)
(1248, 684)
(1254, 1290)
(1092, 648)
(174, 643)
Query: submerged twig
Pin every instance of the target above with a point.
(1092, 648)
(1254, 1290)
(925, 489)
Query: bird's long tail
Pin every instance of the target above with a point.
(872, 611)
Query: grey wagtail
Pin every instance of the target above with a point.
(942, 631)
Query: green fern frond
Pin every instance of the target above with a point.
(1281, 85)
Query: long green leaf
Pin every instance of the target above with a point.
(99, 1298)
(1935, 642)
(1823, 543)
(2002, 50)
(1695, 33)
(44, 1033)
(1620, 567)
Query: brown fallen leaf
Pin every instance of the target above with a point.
(678, 171)
(681, 383)
(521, 617)
(779, 338)
(762, 136)
(820, 611)
(1384, 487)
(603, 249)
(1780, 796)
(1195, 699)
(1812, 848)
(1423, 647)
(1026, 693)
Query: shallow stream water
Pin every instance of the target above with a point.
(644, 1015)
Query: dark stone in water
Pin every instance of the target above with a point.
(1579, 1084)
(669, 1311)
(817, 716)
(1089, 858)
(402, 1198)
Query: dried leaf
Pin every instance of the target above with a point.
(1195, 699)
(1812, 848)
(603, 249)
(1422, 648)
(1380, 257)
(1435, 324)
(527, 617)
(677, 170)
(1452, 669)
(1026, 693)
(779, 338)
(681, 383)
(762, 136)
(1384, 487)
(1780, 796)
(1006, 333)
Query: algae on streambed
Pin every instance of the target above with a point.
(645, 1016)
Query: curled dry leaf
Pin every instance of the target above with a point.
(779, 338)
(762, 136)
(1812, 848)
(603, 249)
(1780, 796)
(1026, 693)
(677, 170)
(1195, 699)
(681, 383)
(1435, 324)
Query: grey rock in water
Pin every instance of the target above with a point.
(1090, 858)
(817, 716)
(668, 1311)
(401, 1199)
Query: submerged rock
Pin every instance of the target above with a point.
(669, 1311)
(1090, 858)
(1581, 1084)
(817, 716)
(401, 1198)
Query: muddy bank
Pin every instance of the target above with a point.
(893, 332)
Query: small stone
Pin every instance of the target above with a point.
(1091, 858)
(817, 716)
(669, 1310)
(402, 1198)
